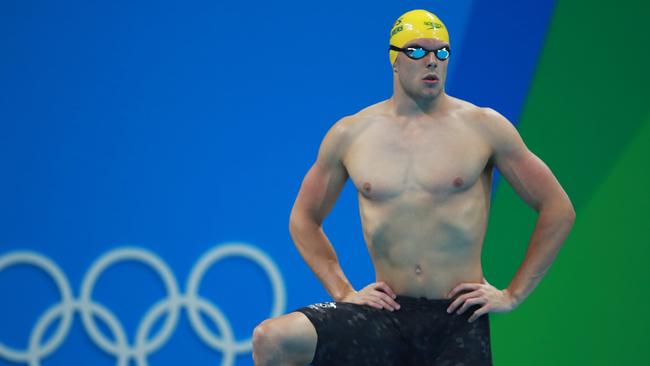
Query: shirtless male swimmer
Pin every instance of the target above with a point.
(422, 162)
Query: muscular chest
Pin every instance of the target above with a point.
(384, 163)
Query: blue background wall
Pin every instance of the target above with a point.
(177, 127)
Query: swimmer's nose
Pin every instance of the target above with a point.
(432, 61)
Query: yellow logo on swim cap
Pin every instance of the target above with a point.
(416, 24)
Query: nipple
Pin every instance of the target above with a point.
(367, 187)
(458, 182)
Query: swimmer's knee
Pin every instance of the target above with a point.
(282, 340)
(266, 343)
(262, 335)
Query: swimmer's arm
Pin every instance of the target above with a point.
(319, 190)
(534, 182)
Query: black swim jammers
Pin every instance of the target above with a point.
(421, 332)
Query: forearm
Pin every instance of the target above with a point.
(551, 229)
(316, 249)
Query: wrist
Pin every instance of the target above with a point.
(514, 299)
(344, 294)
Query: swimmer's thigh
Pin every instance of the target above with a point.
(467, 344)
(355, 335)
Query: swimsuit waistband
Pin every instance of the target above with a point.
(410, 300)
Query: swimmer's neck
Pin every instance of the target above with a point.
(402, 105)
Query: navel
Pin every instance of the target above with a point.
(418, 270)
(458, 182)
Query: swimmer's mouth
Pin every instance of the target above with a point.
(431, 78)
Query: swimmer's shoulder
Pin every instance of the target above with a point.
(346, 130)
(353, 124)
(463, 108)
(377, 110)
(496, 129)
(477, 116)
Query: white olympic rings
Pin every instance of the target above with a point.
(144, 343)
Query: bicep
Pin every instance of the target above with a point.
(325, 179)
(319, 190)
(528, 175)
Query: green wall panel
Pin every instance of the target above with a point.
(587, 117)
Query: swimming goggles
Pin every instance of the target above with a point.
(418, 52)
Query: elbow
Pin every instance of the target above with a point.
(571, 213)
(567, 213)
(293, 222)
(561, 209)
(299, 221)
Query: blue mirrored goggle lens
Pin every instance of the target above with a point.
(442, 53)
(417, 52)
